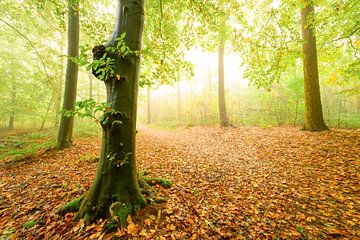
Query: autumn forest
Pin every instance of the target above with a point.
(179, 119)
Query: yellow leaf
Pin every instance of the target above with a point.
(310, 219)
(351, 223)
(108, 236)
(143, 233)
(147, 222)
(132, 228)
(120, 233)
(129, 220)
(117, 76)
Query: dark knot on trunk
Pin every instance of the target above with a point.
(98, 52)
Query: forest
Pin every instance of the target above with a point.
(179, 119)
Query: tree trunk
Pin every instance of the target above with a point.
(179, 102)
(115, 190)
(90, 84)
(66, 123)
(224, 120)
(13, 103)
(314, 120)
(148, 104)
(47, 111)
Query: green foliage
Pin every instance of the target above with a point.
(110, 226)
(103, 67)
(88, 157)
(29, 224)
(88, 108)
(121, 48)
(34, 142)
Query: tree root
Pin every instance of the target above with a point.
(119, 210)
(146, 185)
(72, 206)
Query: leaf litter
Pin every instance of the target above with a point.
(229, 183)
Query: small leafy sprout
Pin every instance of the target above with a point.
(84, 56)
(121, 48)
(87, 108)
(103, 67)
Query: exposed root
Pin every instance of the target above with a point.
(159, 181)
(72, 206)
(146, 185)
(120, 209)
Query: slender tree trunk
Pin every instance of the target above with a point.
(148, 121)
(296, 110)
(90, 84)
(13, 104)
(314, 120)
(66, 123)
(115, 190)
(224, 120)
(47, 111)
(179, 101)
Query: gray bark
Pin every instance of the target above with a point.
(66, 123)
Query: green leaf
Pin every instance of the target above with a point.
(29, 224)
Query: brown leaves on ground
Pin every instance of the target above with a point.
(231, 183)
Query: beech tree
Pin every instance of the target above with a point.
(67, 122)
(314, 120)
(117, 188)
(224, 120)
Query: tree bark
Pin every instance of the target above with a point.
(66, 123)
(115, 191)
(148, 121)
(13, 104)
(224, 120)
(90, 84)
(179, 101)
(314, 120)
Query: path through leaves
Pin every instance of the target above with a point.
(232, 183)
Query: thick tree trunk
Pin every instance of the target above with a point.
(115, 190)
(224, 120)
(314, 120)
(66, 123)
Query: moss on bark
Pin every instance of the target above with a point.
(72, 206)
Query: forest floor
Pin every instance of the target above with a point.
(231, 183)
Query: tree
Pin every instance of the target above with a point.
(314, 120)
(116, 191)
(148, 113)
(67, 122)
(224, 120)
(213, 16)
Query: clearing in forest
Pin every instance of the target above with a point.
(229, 183)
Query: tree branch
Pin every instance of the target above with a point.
(355, 29)
(32, 45)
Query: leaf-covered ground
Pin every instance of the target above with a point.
(233, 183)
